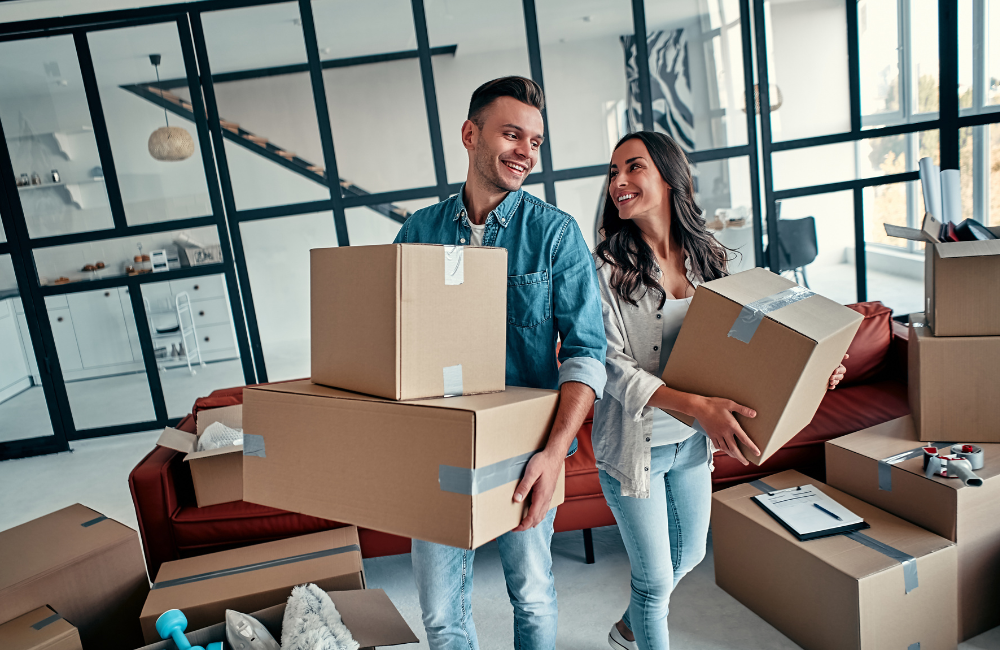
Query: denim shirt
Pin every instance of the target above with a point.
(551, 286)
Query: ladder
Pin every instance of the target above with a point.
(183, 304)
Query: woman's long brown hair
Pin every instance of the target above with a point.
(633, 261)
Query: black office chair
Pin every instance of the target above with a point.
(797, 247)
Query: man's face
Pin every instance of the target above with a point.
(505, 150)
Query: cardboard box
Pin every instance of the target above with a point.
(954, 385)
(85, 566)
(39, 629)
(782, 371)
(408, 321)
(968, 516)
(217, 474)
(442, 470)
(253, 577)
(368, 613)
(961, 281)
(835, 593)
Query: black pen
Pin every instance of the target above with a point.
(828, 512)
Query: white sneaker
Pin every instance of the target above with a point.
(618, 642)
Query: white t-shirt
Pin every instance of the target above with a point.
(477, 234)
(668, 430)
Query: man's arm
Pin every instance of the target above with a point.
(577, 311)
(542, 472)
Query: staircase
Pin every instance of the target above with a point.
(262, 147)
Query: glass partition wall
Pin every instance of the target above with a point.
(167, 169)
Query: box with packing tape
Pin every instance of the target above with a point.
(253, 577)
(409, 321)
(954, 384)
(214, 454)
(764, 342)
(440, 470)
(892, 585)
(39, 629)
(368, 615)
(884, 466)
(83, 565)
(961, 280)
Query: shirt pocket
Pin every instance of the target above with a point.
(528, 299)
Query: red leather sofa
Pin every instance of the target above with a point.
(173, 527)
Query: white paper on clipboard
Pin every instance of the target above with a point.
(796, 507)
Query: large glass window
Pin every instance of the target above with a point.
(375, 94)
(23, 410)
(894, 277)
(141, 115)
(50, 138)
(272, 137)
(491, 43)
(277, 256)
(696, 72)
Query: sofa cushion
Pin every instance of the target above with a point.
(870, 346)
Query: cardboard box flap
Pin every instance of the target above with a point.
(177, 440)
(953, 250)
(841, 552)
(231, 416)
(337, 538)
(41, 547)
(221, 451)
(39, 628)
(897, 436)
(928, 232)
(820, 319)
(471, 403)
(368, 613)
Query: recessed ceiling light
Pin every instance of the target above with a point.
(587, 19)
(325, 50)
(296, 21)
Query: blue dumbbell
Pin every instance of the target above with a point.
(171, 625)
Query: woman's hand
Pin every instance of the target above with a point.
(838, 374)
(715, 415)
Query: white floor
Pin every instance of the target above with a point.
(591, 597)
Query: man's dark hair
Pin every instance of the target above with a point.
(523, 90)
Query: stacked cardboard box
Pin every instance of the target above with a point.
(39, 629)
(217, 474)
(405, 426)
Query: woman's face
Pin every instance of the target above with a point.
(635, 184)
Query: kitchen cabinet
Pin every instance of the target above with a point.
(14, 373)
(99, 324)
(63, 332)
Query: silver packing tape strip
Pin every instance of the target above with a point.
(95, 520)
(463, 480)
(454, 265)
(253, 445)
(751, 315)
(909, 562)
(452, 380)
(247, 568)
(913, 646)
(885, 467)
(45, 622)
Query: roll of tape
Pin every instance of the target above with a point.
(971, 453)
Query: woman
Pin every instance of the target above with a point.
(654, 470)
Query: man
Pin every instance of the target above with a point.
(551, 291)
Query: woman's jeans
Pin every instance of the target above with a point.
(444, 585)
(665, 535)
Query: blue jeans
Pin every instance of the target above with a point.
(665, 535)
(444, 584)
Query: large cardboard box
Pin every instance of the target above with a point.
(954, 384)
(39, 629)
(835, 593)
(368, 613)
(408, 321)
(441, 470)
(764, 342)
(867, 465)
(961, 281)
(217, 474)
(253, 577)
(82, 564)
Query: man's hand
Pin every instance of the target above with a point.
(540, 478)
(715, 415)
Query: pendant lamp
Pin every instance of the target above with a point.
(168, 143)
